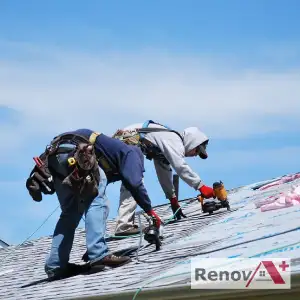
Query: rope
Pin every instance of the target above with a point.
(225, 247)
(18, 246)
(140, 241)
(139, 234)
(109, 236)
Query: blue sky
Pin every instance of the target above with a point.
(229, 67)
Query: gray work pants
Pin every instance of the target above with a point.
(128, 205)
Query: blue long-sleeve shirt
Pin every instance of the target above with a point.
(125, 163)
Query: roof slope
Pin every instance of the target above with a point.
(244, 232)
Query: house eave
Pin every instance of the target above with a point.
(185, 292)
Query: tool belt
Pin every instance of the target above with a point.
(129, 137)
(135, 137)
(40, 180)
(83, 171)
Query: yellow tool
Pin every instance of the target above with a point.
(220, 191)
(221, 195)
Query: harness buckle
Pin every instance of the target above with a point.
(71, 161)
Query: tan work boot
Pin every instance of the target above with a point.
(132, 231)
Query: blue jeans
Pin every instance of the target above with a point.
(96, 214)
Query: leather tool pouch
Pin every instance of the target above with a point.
(85, 176)
(40, 181)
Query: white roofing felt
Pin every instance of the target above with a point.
(244, 232)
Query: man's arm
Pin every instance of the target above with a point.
(132, 170)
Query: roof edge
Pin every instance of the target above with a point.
(184, 292)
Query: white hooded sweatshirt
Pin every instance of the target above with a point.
(174, 150)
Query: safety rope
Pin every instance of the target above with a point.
(49, 216)
(18, 246)
(171, 218)
(165, 223)
(226, 247)
(140, 240)
(108, 236)
(140, 234)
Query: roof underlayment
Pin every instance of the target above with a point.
(249, 230)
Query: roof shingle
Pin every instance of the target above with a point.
(244, 232)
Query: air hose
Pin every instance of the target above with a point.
(167, 221)
(140, 247)
(225, 247)
(138, 234)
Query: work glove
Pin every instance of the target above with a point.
(207, 192)
(156, 219)
(176, 209)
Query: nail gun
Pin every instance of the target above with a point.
(152, 234)
(211, 205)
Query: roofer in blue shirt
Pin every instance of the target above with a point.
(82, 163)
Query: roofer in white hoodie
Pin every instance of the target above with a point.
(168, 150)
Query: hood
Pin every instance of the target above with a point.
(193, 137)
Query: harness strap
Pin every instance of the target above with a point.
(69, 138)
(74, 138)
(146, 125)
(150, 150)
(148, 122)
(144, 131)
(93, 137)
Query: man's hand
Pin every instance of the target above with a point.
(176, 209)
(155, 217)
(207, 192)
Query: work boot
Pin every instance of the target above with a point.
(112, 261)
(131, 231)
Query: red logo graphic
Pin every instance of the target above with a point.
(272, 270)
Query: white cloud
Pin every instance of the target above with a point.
(62, 90)
(56, 90)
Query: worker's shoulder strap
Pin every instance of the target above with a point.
(73, 139)
(145, 129)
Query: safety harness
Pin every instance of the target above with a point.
(83, 172)
(137, 137)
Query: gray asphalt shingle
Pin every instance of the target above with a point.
(198, 234)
